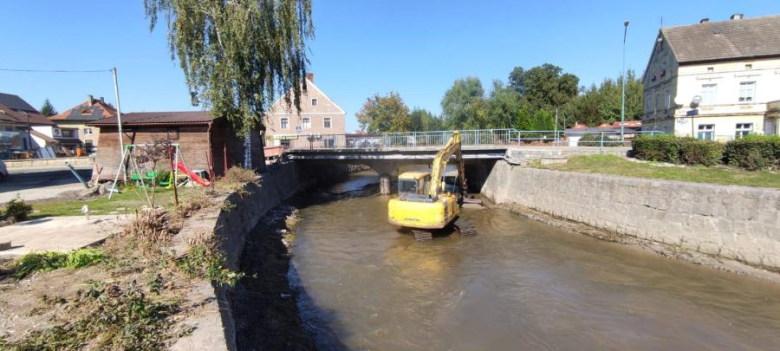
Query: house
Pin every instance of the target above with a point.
(199, 136)
(23, 129)
(72, 130)
(714, 80)
(320, 119)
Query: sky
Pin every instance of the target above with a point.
(414, 47)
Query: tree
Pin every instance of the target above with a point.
(463, 104)
(544, 87)
(384, 114)
(48, 109)
(236, 55)
(422, 120)
(503, 106)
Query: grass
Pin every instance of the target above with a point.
(129, 200)
(51, 260)
(615, 165)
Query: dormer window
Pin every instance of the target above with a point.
(314, 102)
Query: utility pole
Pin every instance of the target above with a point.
(623, 94)
(556, 126)
(119, 125)
(29, 133)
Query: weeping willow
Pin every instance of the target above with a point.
(238, 54)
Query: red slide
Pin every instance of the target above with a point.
(195, 178)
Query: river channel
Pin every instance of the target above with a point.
(517, 285)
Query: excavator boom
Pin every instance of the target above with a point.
(440, 164)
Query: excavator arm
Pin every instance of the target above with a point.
(440, 163)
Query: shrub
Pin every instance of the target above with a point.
(754, 152)
(240, 175)
(594, 139)
(17, 210)
(672, 149)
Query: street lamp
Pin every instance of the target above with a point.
(623, 94)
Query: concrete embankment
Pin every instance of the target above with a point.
(732, 222)
(235, 223)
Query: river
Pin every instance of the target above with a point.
(517, 285)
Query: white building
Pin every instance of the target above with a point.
(732, 66)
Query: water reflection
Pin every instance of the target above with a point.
(519, 284)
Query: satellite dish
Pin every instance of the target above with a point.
(696, 101)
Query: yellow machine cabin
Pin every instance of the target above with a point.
(424, 200)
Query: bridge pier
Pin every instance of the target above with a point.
(385, 185)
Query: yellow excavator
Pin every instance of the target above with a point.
(425, 200)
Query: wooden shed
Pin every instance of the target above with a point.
(197, 133)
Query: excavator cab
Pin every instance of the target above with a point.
(414, 186)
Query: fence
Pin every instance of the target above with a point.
(469, 138)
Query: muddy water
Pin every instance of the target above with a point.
(517, 285)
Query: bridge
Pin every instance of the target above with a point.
(386, 152)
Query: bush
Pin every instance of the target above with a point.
(17, 210)
(240, 175)
(594, 139)
(672, 149)
(754, 152)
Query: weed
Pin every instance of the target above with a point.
(51, 260)
(152, 228)
(17, 210)
(240, 175)
(205, 261)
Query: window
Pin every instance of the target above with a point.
(306, 123)
(314, 102)
(87, 131)
(327, 122)
(706, 132)
(747, 91)
(743, 130)
(285, 123)
(173, 133)
(285, 144)
(56, 132)
(668, 98)
(710, 69)
(708, 93)
(749, 66)
(657, 101)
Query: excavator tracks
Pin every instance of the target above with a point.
(465, 227)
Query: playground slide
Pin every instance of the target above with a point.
(195, 178)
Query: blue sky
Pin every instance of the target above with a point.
(415, 47)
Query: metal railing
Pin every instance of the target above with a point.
(469, 138)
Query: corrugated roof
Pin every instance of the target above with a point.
(14, 102)
(151, 118)
(10, 115)
(732, 39)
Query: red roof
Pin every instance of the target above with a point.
(158, 118)
(9, 115)
(86, 111)
(580, 126)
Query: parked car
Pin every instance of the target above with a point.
(3, 170)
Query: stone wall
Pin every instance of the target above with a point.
(734, 222)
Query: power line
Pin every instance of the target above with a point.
(52, 70)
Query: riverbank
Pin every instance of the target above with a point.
(718, 225)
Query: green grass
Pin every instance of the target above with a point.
(615, 165)
(51, 260)
(130, 199)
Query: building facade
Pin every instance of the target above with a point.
(714, 80)
(72, 129)
(319, 120)
(24, 132)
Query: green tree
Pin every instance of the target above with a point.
(544, 87)
(48, 109)
(503, 106)
(463, 105)
(422, 120)
(236, 55)
(384, 114)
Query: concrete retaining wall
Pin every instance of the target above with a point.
(740, 223)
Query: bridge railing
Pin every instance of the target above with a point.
(472, 138)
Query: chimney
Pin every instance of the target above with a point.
(90, 100)
(102, 100)
(310, 77)
(704, 20)
(737, 16)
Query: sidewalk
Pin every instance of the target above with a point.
(58, 233)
